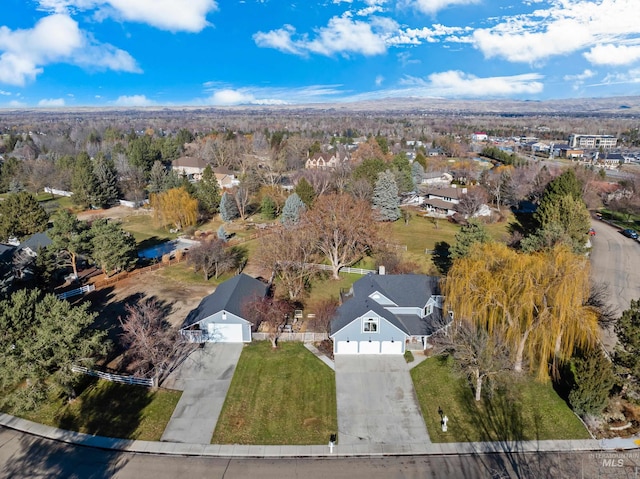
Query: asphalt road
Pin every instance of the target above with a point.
(615, 261)
(24, 456)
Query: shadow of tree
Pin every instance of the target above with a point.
(441, 257)
(151, 242)
(38, 457)
(499, 420)
(108, 409)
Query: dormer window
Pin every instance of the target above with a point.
(428, 309)
(370, 325)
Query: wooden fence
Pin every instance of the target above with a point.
(302, 337)
(116, 378)
(103, 283)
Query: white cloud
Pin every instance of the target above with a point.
(5, 93)
(379, 80)
(228, 96)
(455, 83)
(172, 15)
(615, 55)
(580, 76)
(433, 6)
(341, 35)
(51, 102)
(54, 39)
(632, 76)
(565, 27)
(133, 100)
(437, 32)
(16, 104)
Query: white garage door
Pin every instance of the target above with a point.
(369, 347)
(225, 333)
(347, 347)
(392, 347)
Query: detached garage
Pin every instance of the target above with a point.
(218, 317)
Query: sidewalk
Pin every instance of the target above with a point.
(317, 451)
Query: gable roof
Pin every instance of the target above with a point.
(405, 290)
(228, 296)
(35, 241)
(189, 162)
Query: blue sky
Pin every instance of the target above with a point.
(216, 52)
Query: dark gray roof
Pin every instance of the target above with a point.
(408, 290)
(35, 241)
(6, 253)
(228, 296)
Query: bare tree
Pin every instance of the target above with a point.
(268, 313)
(243, 200)
(325, 311)
(471, 202)
(211, 257)
(478, 354)
(153, 345)
(288, 253)
(343, 230)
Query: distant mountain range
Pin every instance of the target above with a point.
(623, 106)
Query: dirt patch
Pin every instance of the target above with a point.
(117, 212)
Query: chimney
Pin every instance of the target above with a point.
(381, 270)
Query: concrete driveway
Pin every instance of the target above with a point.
(204, 377)
(376, 401)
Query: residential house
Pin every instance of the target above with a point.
(219, 317)
(388, 314)
(226, 178)
(189, 166)
(327, 161)
(435, 178)
(26, 253)
(441, 202)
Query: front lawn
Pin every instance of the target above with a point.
(110, 409)
(281, 396)
(527, 410)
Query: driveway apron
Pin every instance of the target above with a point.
(377, 403)
(204, 378)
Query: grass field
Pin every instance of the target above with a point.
(282, 396)
(145, 231)
(527, 410)
(110, 409)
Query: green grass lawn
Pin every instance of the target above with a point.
(282, 396)
(528, 410)
(111, 409)
(145, 231)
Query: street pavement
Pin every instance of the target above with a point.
(204, 379)
(376, 401)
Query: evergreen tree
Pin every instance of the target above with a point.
(268, 208)
(369, 170)
(228, 207)
(385, 197)
(208, 192)
(222, 234)
(106, 191)
(69, 237)
(417, 174)
(627, 356)
(113, 248)
(306, 192)
(471, 233)
(593, 380)
(83, 181)
(157, 178)
(293, 208)
(21, 215)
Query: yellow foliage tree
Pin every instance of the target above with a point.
(175, 207)
(537, 302)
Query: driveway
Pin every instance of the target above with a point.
(376, 401)
(204, 379)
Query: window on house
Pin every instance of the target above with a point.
(428, 309)
(370, 325)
